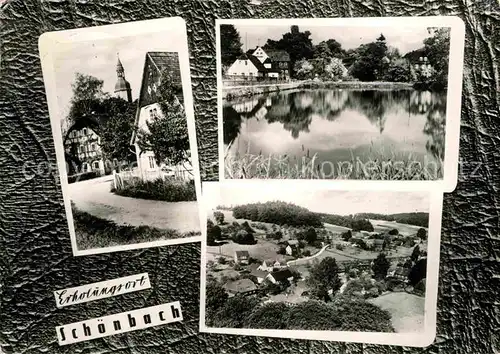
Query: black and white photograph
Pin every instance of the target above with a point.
(333, 264)
(350, 99)
(121, 111)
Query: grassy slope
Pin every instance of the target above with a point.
(93, 232)
(407, 310)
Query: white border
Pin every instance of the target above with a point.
(47, 44)
(454, 91)
(419, 339)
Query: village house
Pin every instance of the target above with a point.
(269, 265)
(259, 64)
(400, 272)
(292, 247)
(155, 64)
(378, 245)
(257, 274)
(241, 257)
(241, 286)
(280, 276)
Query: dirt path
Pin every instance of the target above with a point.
(94, 197)
(306, 260)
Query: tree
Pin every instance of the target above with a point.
(216, 296)
(324, 276)
(214, 233)
(335, 70)
(418, 272)
(422, 234)
(394, 232)
(230, 44)
(167, 133)
(346, 236)
(437, 49)
(243, 237)
(415, 254)
(336, 48)
(380, 266)
(116, 130)
(234, 313)
(311, 236)
(304, 69)
(271, 315)
(219, 217)
(297, 44)
(369, 63)
(313, 315)
(322, 51)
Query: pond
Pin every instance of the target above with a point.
(332, 127)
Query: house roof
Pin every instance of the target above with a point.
(277, 54)
(293, 242)
(274, 260)
(241, 254)
(282, 274)
(378, 241)
(240, 286)
(259, 273)
(155, 64)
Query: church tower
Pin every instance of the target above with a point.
(122, 87)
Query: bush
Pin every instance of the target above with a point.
(394, 232)
(422, 234)
(306, 253)
(244, 238)
(159, 189)
(272, 315)
(362, 225)
(219, 217)
(359, 315)
(339, 246)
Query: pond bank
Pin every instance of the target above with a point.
(232, 92)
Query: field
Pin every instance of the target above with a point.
(335, 228)
(261, 250)
(407, 310)
(404, 229)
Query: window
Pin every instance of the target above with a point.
(93, 146)
(150, 113)
(96, 165)
(79, 149)
(155, 112)
(84, 131)
(151, 162)
(246, 62)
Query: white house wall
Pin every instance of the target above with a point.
(242, 67)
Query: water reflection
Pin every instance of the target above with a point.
(330, 121)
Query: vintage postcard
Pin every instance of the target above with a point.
(340, 99)
(289, 260)
(121, 111)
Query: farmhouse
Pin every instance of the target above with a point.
(156, 64)
(241, 286)
(280, 276)
(258, 64)
(269, 265)
(241, 257)
(257, 274)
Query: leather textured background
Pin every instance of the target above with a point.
(35, 252)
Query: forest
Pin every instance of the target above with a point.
(276, 212)
(417, 219)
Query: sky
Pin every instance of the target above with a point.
(405, 39)
(99, 58)
(318, 200)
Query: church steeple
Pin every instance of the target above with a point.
(122, 87)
